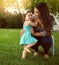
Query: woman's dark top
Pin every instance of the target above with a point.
(43, 39)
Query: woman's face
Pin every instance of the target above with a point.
(36, 12)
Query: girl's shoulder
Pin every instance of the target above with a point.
(26, 23)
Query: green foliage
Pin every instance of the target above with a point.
(52, 4)
(8, 20)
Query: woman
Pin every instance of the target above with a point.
(41, 12)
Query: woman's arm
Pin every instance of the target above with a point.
(43, 33)
(35, 33)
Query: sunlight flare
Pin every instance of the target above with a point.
(14, 6)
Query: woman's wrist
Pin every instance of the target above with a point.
(44, 33)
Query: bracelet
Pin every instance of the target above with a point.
(43, 33)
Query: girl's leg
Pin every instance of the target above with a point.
(28, 46)
(26, 49)
(24, 54)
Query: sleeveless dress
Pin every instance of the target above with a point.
(27, 38)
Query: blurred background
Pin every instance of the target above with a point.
(11, 11)
(11, 22)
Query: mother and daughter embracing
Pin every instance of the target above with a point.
(37, 30)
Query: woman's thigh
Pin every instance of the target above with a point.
(45, 42)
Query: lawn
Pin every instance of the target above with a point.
(10, 50)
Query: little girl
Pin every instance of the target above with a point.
(27, 39)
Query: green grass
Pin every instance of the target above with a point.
(10, 50)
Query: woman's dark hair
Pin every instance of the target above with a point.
(45, 15)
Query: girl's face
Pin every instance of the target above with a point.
(28, 16)
(36, 12)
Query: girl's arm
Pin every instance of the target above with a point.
(33, 23)
(21, 32)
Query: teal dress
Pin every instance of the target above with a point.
(27, 38)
